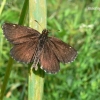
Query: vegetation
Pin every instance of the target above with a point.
(76, 22)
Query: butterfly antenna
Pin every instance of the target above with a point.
(38, 23)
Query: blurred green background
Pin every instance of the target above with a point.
(79, 25)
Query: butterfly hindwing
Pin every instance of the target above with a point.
(48, 60)
(63, 51)
(17, 34)
(24, 52)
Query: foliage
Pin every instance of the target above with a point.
(78, 22)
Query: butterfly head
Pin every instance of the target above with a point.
(45, 31)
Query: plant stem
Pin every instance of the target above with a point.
(37, 11)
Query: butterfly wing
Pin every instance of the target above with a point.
(48, 60)
(17, 34)
(24, 52)
(63, 51)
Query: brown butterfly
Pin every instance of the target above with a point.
(31, 46)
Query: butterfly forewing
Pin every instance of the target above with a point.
(48, 60)
(63, 51)
(17, 34)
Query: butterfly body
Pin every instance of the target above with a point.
(31, 46)
(43, 38)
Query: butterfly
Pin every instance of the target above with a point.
(31, 46)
